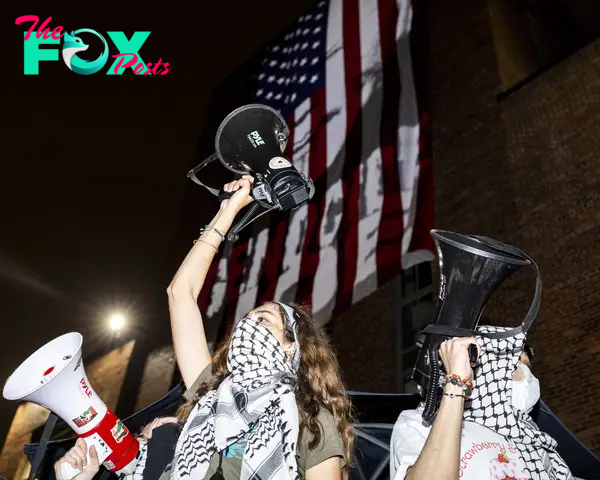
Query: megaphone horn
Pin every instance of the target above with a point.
(54, 377)
(251, 141)
(471, 269)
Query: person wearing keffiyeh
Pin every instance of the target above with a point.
(270, 403)
(487, 435)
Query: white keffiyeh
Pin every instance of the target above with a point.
(491, 406)
(256, 400)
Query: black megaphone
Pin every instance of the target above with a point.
(471, 268)
(251, 141)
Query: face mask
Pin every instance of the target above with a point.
(525, 392)
(290, 325)
(254, 348)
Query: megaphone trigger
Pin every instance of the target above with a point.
(473, 355)
(223, 195)
(260, 192)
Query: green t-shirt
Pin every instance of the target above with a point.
(331, 444)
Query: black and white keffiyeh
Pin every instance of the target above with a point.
(491, 406)
(135, 469)
(256, 400)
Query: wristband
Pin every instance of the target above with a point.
(454, 395)
(207, 243)
(210, 227)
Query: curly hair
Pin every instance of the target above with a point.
(319, 384)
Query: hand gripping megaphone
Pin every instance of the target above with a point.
(251, 141)
(471, 269)
(54, 378)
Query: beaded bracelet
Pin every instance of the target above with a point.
(210, 227)
(452, 381)
(457, 381)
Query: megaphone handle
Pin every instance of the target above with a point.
(223, 195)
(246, 218)
(431, 397)
(67, 471)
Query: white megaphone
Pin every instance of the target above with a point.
(54, 378)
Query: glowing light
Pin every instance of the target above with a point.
(116, 322)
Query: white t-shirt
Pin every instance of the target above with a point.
(484, 454)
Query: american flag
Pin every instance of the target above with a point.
(342, 77)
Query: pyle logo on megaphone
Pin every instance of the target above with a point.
(85, 388)
(255, 139)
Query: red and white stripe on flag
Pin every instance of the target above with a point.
(342, 76)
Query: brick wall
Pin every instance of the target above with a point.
(463, 81)
(552, 151)
(525, 171)
(365, 341)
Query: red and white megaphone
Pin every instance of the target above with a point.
(54, 378)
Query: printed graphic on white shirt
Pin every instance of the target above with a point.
(484, 454)
(502, 462)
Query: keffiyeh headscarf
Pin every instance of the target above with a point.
(256, 400)
(491, 406)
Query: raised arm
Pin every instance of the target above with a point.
(189, 338)
(440, 456)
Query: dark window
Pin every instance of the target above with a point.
(530, 36)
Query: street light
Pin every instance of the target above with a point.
(116, 322)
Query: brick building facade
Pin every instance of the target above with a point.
(521, 169)
(524, 169)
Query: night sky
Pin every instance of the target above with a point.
(93, 167)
